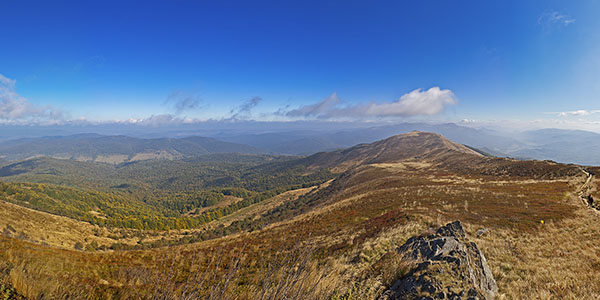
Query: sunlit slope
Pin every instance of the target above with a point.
(384, 193)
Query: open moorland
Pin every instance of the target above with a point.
(326, 226)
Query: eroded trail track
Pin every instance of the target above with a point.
(585, 192)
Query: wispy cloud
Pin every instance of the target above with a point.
(15, 108)
(322, 108)
(183, 102)
(579, 113)
(244, 111)
(551, 19)
(157, 120)
(418, 102)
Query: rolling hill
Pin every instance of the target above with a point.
(566, 146)
(309, 142)
(334, 236)
(117, 149)
(414, 145)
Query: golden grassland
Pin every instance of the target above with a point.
(62, 232)
(256, 211)
(351, 234)
(52, 230)
(557, 260)
(46, 229)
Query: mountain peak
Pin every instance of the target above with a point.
(413, 145)
(418, 144)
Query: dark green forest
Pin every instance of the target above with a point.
(153, 194)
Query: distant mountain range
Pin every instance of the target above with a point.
(117, 149)
(566, 146)
(309, 142)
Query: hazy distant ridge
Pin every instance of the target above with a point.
(118, 149)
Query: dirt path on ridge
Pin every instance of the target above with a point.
(585, 192)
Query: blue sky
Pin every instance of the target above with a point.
(483, 61)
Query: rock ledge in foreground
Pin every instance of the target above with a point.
(447, 266)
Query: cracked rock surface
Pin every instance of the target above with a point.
(447, 266)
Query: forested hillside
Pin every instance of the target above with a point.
(154, 194)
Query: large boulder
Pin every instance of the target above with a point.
(446, 266)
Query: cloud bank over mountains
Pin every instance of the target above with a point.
(419, 102)
(15, 109)
(581, 112)
(180, 107)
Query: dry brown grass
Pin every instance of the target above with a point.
(264, 206)
(62, 232)
(353, 232)
(557, 260)
(47, 229)
(528, 259)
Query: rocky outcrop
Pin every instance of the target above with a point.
(446, 266)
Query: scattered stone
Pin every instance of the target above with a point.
(481, 232)
(446, 266)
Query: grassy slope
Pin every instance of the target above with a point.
(55, 231)
(43, 228)
(377, 208)
(358, 219)
(110, 209)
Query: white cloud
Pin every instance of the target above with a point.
(418, 102)
(322, 107)
(15, 108)
(555, 18)
(581, 112)
(157, 120)
(153, 120)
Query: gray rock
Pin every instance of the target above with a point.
(446, 266)
(481, 232)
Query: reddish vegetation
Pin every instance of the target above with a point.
(385, 186)
(373, 226)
